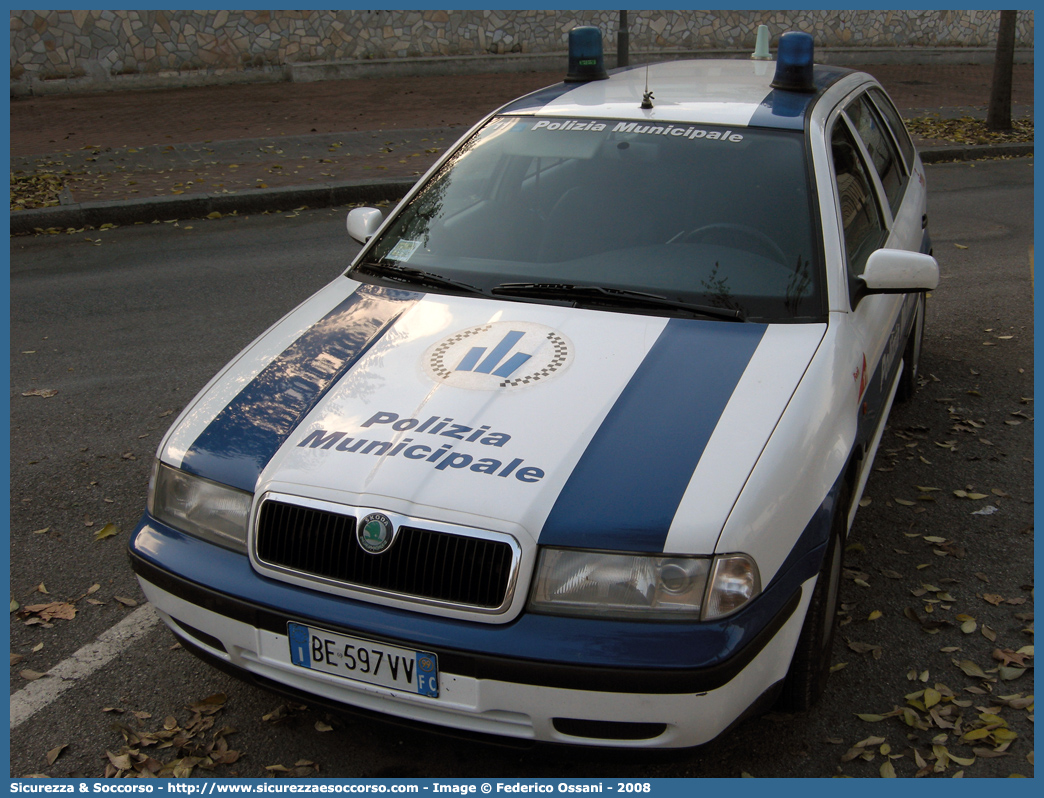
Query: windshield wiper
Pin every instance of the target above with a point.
(616, 296)
(408, 274)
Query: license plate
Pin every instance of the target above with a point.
(364, 660)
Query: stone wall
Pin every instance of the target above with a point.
(98, 46)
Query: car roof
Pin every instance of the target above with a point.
(703, 91)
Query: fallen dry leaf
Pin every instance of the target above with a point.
(54, 753)
(46, 612)
(1008, 673)
(970, 668)
(1006, 657)
(106, 531)
(865, 648)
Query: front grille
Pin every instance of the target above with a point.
(421, 563)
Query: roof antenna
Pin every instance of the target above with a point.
(647, 98)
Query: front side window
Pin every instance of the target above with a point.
(883, 155)
(895, 124)
(861, 221)
(698, 214)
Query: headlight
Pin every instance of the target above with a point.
(201, 508)
(619, 585)
(609, 585)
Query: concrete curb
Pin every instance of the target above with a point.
(975, 152)
(94, 214)
(325, 195)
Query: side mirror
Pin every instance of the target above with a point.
(363, 223)
(898, 271)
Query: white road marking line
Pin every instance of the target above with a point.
(69, 672)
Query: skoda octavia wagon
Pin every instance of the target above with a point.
(570, 451)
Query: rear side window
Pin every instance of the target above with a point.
(895, 124)
(882, 151)
(861, 220)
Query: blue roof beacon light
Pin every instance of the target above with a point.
(585, 55)
(794, 63)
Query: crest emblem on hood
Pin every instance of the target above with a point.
(501, 354)
(375, 533)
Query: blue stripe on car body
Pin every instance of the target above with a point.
(237, 445)
(872, 403)
(625, 490)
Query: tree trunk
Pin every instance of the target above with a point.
(622, 41)
(999, 115)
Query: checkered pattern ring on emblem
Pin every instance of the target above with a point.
(503, 354)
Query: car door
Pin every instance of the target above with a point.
(880, 203)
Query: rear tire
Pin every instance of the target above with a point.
(809, 669)
(912, 355)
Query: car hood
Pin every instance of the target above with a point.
(573, 427)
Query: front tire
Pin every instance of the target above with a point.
(809, 669)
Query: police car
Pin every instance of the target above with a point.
(570, 451)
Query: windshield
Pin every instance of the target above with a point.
(695, 214)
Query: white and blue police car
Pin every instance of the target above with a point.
(570, 452)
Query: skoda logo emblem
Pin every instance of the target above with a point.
(375, 533)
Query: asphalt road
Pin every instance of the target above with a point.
(127, 324)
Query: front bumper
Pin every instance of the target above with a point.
(619, 685)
